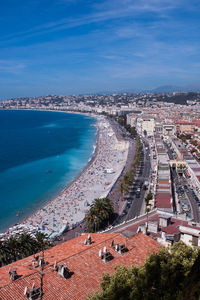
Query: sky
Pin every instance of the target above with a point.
(87, 46)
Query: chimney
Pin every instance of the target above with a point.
(55, 266)
(13, 274)
(120, 248)
(105, 255)
(33, 293)
(63, 271)
(88, 241)
(41, 262)
(164, 220)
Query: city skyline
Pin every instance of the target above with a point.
(75, 46)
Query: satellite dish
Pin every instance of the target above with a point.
(104, 249)
(88, 236)
(33, 285)
(54, 264)
(100, 253)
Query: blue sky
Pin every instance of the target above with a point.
(87, 46)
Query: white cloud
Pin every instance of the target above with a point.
(13, 67)
(107, 10)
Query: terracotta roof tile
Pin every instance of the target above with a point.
(82, 260)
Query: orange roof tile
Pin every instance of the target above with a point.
(82, 260)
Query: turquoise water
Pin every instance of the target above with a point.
(40, 153)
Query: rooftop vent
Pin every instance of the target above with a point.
(33, 293)
(105, 255)
(13, 274)
(88, 241)
(35, 261)
(120, 248)
(55, 266)
(64, 271)
(38, 262)
(41, 262)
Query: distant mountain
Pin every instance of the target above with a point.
(173, 88)
(166, 89)
(158, 90)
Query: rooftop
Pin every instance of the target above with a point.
(83, 262)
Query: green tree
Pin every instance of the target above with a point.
(21, 246)
(148, 198)
(163, 276)
(123, 187)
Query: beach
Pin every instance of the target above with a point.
(68, 209)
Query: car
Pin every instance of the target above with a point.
(185, 208)
(137, 195)
(124, 212)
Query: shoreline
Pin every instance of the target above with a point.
(92, 157)
(34, 225)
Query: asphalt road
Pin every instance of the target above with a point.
(137, 202)
(195, 210)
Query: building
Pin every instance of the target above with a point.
(73, 270)
(163, 226)
(163, 193)
(148, 126)
(169, 129)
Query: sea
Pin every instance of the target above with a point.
(41, 152)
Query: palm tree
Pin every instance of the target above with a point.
(41, 241)
(99, 214)
(4, 251)
(27, 245)
(13, 246)
(123, 187)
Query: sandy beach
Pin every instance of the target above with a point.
(68, 209)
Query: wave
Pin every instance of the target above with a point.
(51, 125)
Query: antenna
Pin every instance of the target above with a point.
(42, 273)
